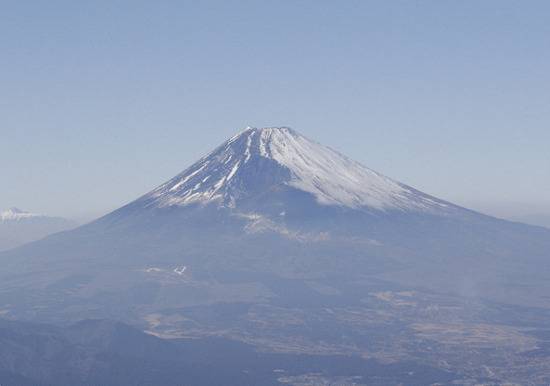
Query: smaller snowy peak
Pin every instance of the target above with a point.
(14, 214)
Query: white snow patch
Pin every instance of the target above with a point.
(187, 178)
(233, 171)
(247, 153)
(153, 269)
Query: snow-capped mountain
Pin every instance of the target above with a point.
(270, 205)
(15, 214)
(256, 161)
(18, 227)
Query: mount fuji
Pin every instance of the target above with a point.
(273, 232)
(271, 200)
(278, 180)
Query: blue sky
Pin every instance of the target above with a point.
(101, 101)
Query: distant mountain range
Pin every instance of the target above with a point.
(277, 241)
(18, 227)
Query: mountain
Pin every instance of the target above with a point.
(277, 186)
(277, 241)
(18, 227)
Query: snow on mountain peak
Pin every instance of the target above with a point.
(260, 158)
(16, 214)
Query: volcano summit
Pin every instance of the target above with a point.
(257, 161)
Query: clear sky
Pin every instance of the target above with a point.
(101, 101)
